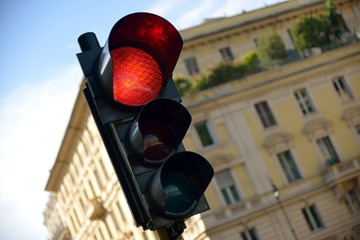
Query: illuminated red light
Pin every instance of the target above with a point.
(144, 49)
(137, 77)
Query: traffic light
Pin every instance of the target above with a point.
(137, 110)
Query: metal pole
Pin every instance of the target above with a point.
(162, 234)
(172, 232)
(276, 193)
(287, 218)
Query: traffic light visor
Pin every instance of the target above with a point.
(180, 182)
(144, 49)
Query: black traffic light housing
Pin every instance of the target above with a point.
(137, 110)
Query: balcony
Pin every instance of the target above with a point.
(222, 215)
(342, 171)
(335, 173)
(294, 67)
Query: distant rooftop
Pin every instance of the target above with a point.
(213, 25)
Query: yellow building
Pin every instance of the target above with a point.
(295, 126)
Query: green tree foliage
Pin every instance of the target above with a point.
(271, 50)
(336, 21)
(225, 73)
(251, 62)
(183, 85)
(220, 74)
(310, 31)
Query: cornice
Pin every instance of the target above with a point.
(73, 130)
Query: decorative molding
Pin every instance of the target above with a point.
(276, 138)
(218, 159)
(278, 141)
(317, 127)
(352, 115)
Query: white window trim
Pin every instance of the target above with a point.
(209, 126)
(351, 116)
(287, 166)
(312, 220)
(302, 101)
(236, 184)
(275, 125)
(318, 150)
(356, 132)
(247, 233)
(353, 209)
(193, 67)
(226, 58)
(342, 96)
(280, 169)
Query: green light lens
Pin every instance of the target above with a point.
(179, 192)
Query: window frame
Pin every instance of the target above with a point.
(250, 234)
(265, 114)
(357, 132)
(226, 54)
(304, 101)
(333, 156)
(233, 194)
(209, 134)
(309, 214)
(353, 201)
(286, 167)
(191, 65)
(342, 89)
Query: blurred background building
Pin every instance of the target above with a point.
(276, 113)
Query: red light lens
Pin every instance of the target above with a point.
(137, 77)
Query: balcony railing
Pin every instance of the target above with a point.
(229, 213)
(343, 170)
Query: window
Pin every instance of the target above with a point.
(289, 167)
(250, 235)
(227, 187)
(265, 114)
(204, 134)
(353, 200)
(256, 42)
(191, 65)
(328, 151)
(304, 101)
(342, 89)
(312, 218)
(288, 31)
(357, 129)
(226, 54)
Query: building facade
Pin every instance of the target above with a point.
(294, 128)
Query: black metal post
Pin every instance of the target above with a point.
(277, 196)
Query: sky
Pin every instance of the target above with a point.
(40, 78)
